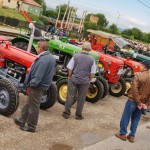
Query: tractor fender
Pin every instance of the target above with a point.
(19, 39)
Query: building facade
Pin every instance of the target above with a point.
(30, 6)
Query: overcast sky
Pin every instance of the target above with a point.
(125, 13)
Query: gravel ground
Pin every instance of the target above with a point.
(55, 133)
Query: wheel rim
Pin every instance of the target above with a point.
(63, 92)
(92, 95)
(116, 88)
(128, 85)
(4, 98)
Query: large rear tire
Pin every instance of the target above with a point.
(95, 92)
(105, 85)
(49, 97)
(9, 99)
(118, 89)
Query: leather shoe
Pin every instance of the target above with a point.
(121, 136)
(17, 122)
(148, 127)
(66, 116)
(27, 128)
(79, 117)
(130, 138)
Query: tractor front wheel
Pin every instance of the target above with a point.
(128, 85)
(62, 91)
(9, 97)
(118, 89)
(95, 92)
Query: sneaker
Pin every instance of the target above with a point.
(130, 138)
(121, 136)
(17, 122)
(79, 117)
(66, 116)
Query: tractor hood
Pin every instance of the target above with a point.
(69, 48)
(137, 56)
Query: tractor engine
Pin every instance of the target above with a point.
(15, 70)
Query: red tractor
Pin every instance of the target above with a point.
(14, 64)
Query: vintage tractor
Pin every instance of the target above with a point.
(14, 64)
(116, 47)
(63, 52)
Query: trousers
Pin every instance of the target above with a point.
(78, 91)
(132, 112)
(30, 111)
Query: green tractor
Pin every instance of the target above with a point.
(63, 52)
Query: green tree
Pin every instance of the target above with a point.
(113, 29)
(137, 33)
(144, 38)
(102, 21)
(51, 13)
(63, 9)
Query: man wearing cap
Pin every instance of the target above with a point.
(81, 70)
(138, 99)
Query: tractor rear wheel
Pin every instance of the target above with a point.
(105, 85)
(95, 92)
(24, 46)
(62, 91)
(49, 97)
(9, 97)
(118, 89)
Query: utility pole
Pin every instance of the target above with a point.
(81, 21)
(68, 17)
(58, 16)
(118, 18)
(65, 14)
(74, 15)
(85, 12)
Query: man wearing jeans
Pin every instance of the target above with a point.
(81, 70)
(138, 99)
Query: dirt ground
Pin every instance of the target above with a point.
(55, 133)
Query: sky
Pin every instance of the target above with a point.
(125, 14)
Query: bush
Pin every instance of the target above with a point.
(2, 18)
(44, 19)
(11, 21)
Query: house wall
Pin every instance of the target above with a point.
(1, 3)
(31, 9)
(10, 3)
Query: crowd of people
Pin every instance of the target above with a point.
(79, 77)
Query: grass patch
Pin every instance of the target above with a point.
(12, 13)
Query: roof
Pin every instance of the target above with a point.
(31, 2)
(101, 33)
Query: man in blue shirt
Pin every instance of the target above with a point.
(81, 70)
(38, 80)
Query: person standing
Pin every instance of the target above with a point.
(38, 80)
(81, 70)
(138, 99)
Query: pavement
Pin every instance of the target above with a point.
(142, 141)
